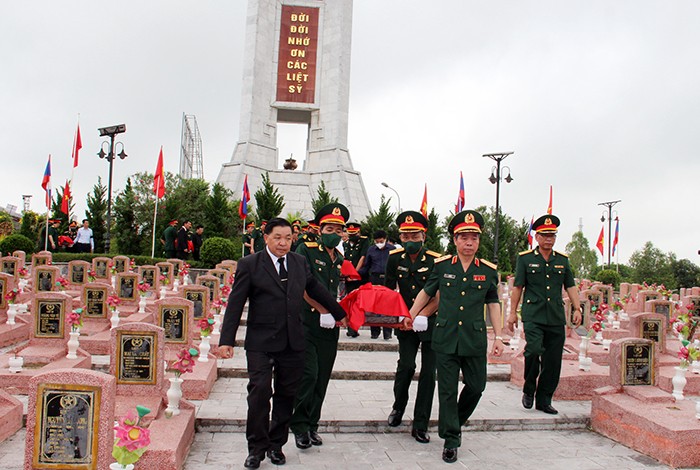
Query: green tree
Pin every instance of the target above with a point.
(512, 238)
(127, 232)
(382, 219)
(56, 212)
(608, 276)
(221, 219)
(652, 265)
(436, 232)
(30, 225)
(686, 273)
(323, 198)
(96, 214)
(268, 200)
(582, 258)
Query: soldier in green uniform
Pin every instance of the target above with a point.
(296, 235)
(258, 239)
(355, 250)
(169, 236)
(248, 239)
(312, 231)
(465, 284)
(320, 334)
(409, 267)
(543, 272)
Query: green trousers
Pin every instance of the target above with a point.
(454, 412)
(409, 342)
(543, 351)
(319, 358)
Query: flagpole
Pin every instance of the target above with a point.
(155, 213)
(46, 231)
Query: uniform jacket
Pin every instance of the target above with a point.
(460, 327)
(543, 282)
(274, 315)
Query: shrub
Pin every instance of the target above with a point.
(16, 242)
(608, 276)
(214, 250)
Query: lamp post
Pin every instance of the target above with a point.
(395, 192)
(110, 131)
(495, 178)
(609, 205)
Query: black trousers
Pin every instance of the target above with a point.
(286, 367)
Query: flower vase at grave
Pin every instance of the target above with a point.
(73, 344)
(695, 365)
(697, 409)
(679, 382)
(162, 292)
(204, 348)
(606, 344)
(118, 466)
(599, 336)
(15, 363)
(186, 280)
(23, 283)
(114, 282)
(142, 304)
(12, 312)
(616, 325)
(114, 319)
(583, 346)
(176, 284)
(22, 308)
(174, 395)
(217, 324)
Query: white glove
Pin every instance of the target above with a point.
(420, 323)
(327, 320)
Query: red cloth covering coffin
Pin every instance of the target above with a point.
(348, 271)
(374, 306)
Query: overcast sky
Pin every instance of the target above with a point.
(599, 99)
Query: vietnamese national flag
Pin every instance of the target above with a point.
(46, 183)
(529, 232)
(549, 207)
(424, 204)
(77, 145)
(245, 197)
(460, 198)
(601, 239)
(65, 203)
(159, 179)
(617, 234)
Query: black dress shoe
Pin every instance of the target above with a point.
(549, 409)
(315, 439)
(394, 418)
(528, 400)
(277, 457)
(421, 436)
(449, 455)
(302, 440)
(252, 461)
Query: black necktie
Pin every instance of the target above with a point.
(283, 271)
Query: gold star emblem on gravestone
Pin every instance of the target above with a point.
(469, 218)
(409, 219)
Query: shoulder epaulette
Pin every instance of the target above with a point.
(442, 258)
(562, 254)
(489, 264)
(525, 252)
(432, 253)
(396, 250)
(363, 236)
(311, 244)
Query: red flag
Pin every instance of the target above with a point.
(46, 183)
(65, 203)
(77, 145)
(549, 207)
(460, 198)
(601, 238)
(424, 204)
(617, 234)
(245, 198)
(159, 179)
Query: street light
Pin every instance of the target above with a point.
(395, 192)
(609, 205)
(110, 131)
(495, 178)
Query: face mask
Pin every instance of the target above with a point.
(380, 245)
(354, 238)
(412, 247)
(330, 240)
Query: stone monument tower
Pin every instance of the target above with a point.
(297, 70)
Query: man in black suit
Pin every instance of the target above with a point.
(273, 281)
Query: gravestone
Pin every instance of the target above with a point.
(646, 295)
(136, 358)
(49, 311)
(11, 265)
(7, 283)
(149, 274)
(78, 272)
(624, 289)
(70, 420)
(212, 282)
(651, 326)
(22, 257)
(228, 265)
(100, 266)
(122, 264)
(127, 287)
(633, 362)
(199, 296)
(585, 314)
(221, 274)
(95, 300)
(165, 269)
(45, 278)
(663, 307)
(178, 264)
(41, 259)
(607, 292)
(174, 315)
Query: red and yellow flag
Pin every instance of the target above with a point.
(424, 204)
(601, 238)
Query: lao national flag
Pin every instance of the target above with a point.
(529, 232)
(460, 197)
(159, 177)
(46, 183)
(77, 145)
(245, 197)
(601, 238)
(617, 234)
(424, 204)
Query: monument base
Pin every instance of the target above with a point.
(10, 415)
(38, 359)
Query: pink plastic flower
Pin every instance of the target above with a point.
(184, 362)
(597, 326)
(129, 435)
(683, 353)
